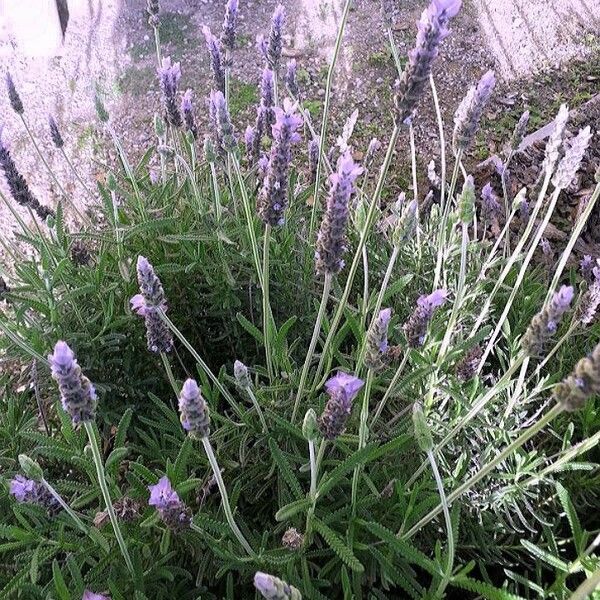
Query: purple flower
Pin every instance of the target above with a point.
(291, 79)
(148, 304)
(194, 411)
(87, 595)
(377, 343)
(275, 43)
(313, 158)
(273, 588)
(261, 45)
(545, 323)
(263, 165)
(249, 136)
(242, 377)
(17, 185)
(221, 119)
(171, 509)
(590, 268)
(374, 147)
(342, 389)
(78, 396)
(216, 59)
(590, 301)
(187, 109)
(415, 328)
(466, 368)
(55, 132)
(470, 110)
(267, 87)
(490, 206)
(331, 241)
(169, 76)
(583, 382)
(33, 492)
(273, 197)
(13, 95)
(431, 30)
(229, 23)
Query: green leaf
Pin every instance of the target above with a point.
(545, 556)
(285, 469)
(122, 428)
(291, 509)
(484, 589)
(59, 582)
(338, 546)
(250, 328)
(576, 530)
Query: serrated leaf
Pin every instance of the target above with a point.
(285, 469)
(337, 545)
(293, 508)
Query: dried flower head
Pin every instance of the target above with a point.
(590, 301)
(78, 396)
(174, 513)
(583, 382)
(292, 539)
(275, 42)
(470, 110)
(33, 492)
(377, 343)
(331, 240)
(570, 162)
(148, 304)
(431, 30)
(519, 131)
(80, 254)
(406, 224)
(13, 95)
(415, 328)
(273, 197)
(490, 207)
(57, 139)
(216, 59)
(589, 268)
(342, 389)
(273, 588)
(543, 325)
(229, 25)
(467, 366)
(555, 140)
(195, 416)
(169, 76)
(242, 377)
(17, 186)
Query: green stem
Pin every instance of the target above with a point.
(65, 506)
(413, 162)
(488, 467)
(389, 389)
(440, 122)
(157, 45)
(169, 371)
(365, 299)
(357, 255)
(325, 121)
(105, 493)
(266, 305)
(216, 192)
(259, 411)
(79, 178)
(587, 588)
(378, 303)
(448, 520)
(203, 365)
(313, 491)
(363, 432)
(224, 497)
(313, 468)
(313, 344)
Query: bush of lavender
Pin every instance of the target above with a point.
(248, 373)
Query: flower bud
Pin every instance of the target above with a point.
(30, 467)
(310, 428)
(422, 433)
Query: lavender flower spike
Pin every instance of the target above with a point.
(272, 200)
(78, 396)
(470, 110)
(377, 343)
(87, 595)
(431, 30)
(187, 109)
(313, 158)
(17, 185)
(57, 139)
(174, 513)
(194, 411)
(342, 389)
(148, 303)
(331, 240)
(273, 588)
(33, 492)
(13, 95)
(222, 120)
(583, 382)
(291, 78)
(169, 76)
(555, 139)
(229, 23)
(267, 100)
(545, 323)
(415, 328)
(216, 59)
(275, 42)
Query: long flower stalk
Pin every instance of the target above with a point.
(65, 506)
(89, 428)
(313, 344)
(358, 253)
(389, 390)
(325, 120)
(224, 497)
(313, 491)
(266, 305)
(440, 122)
